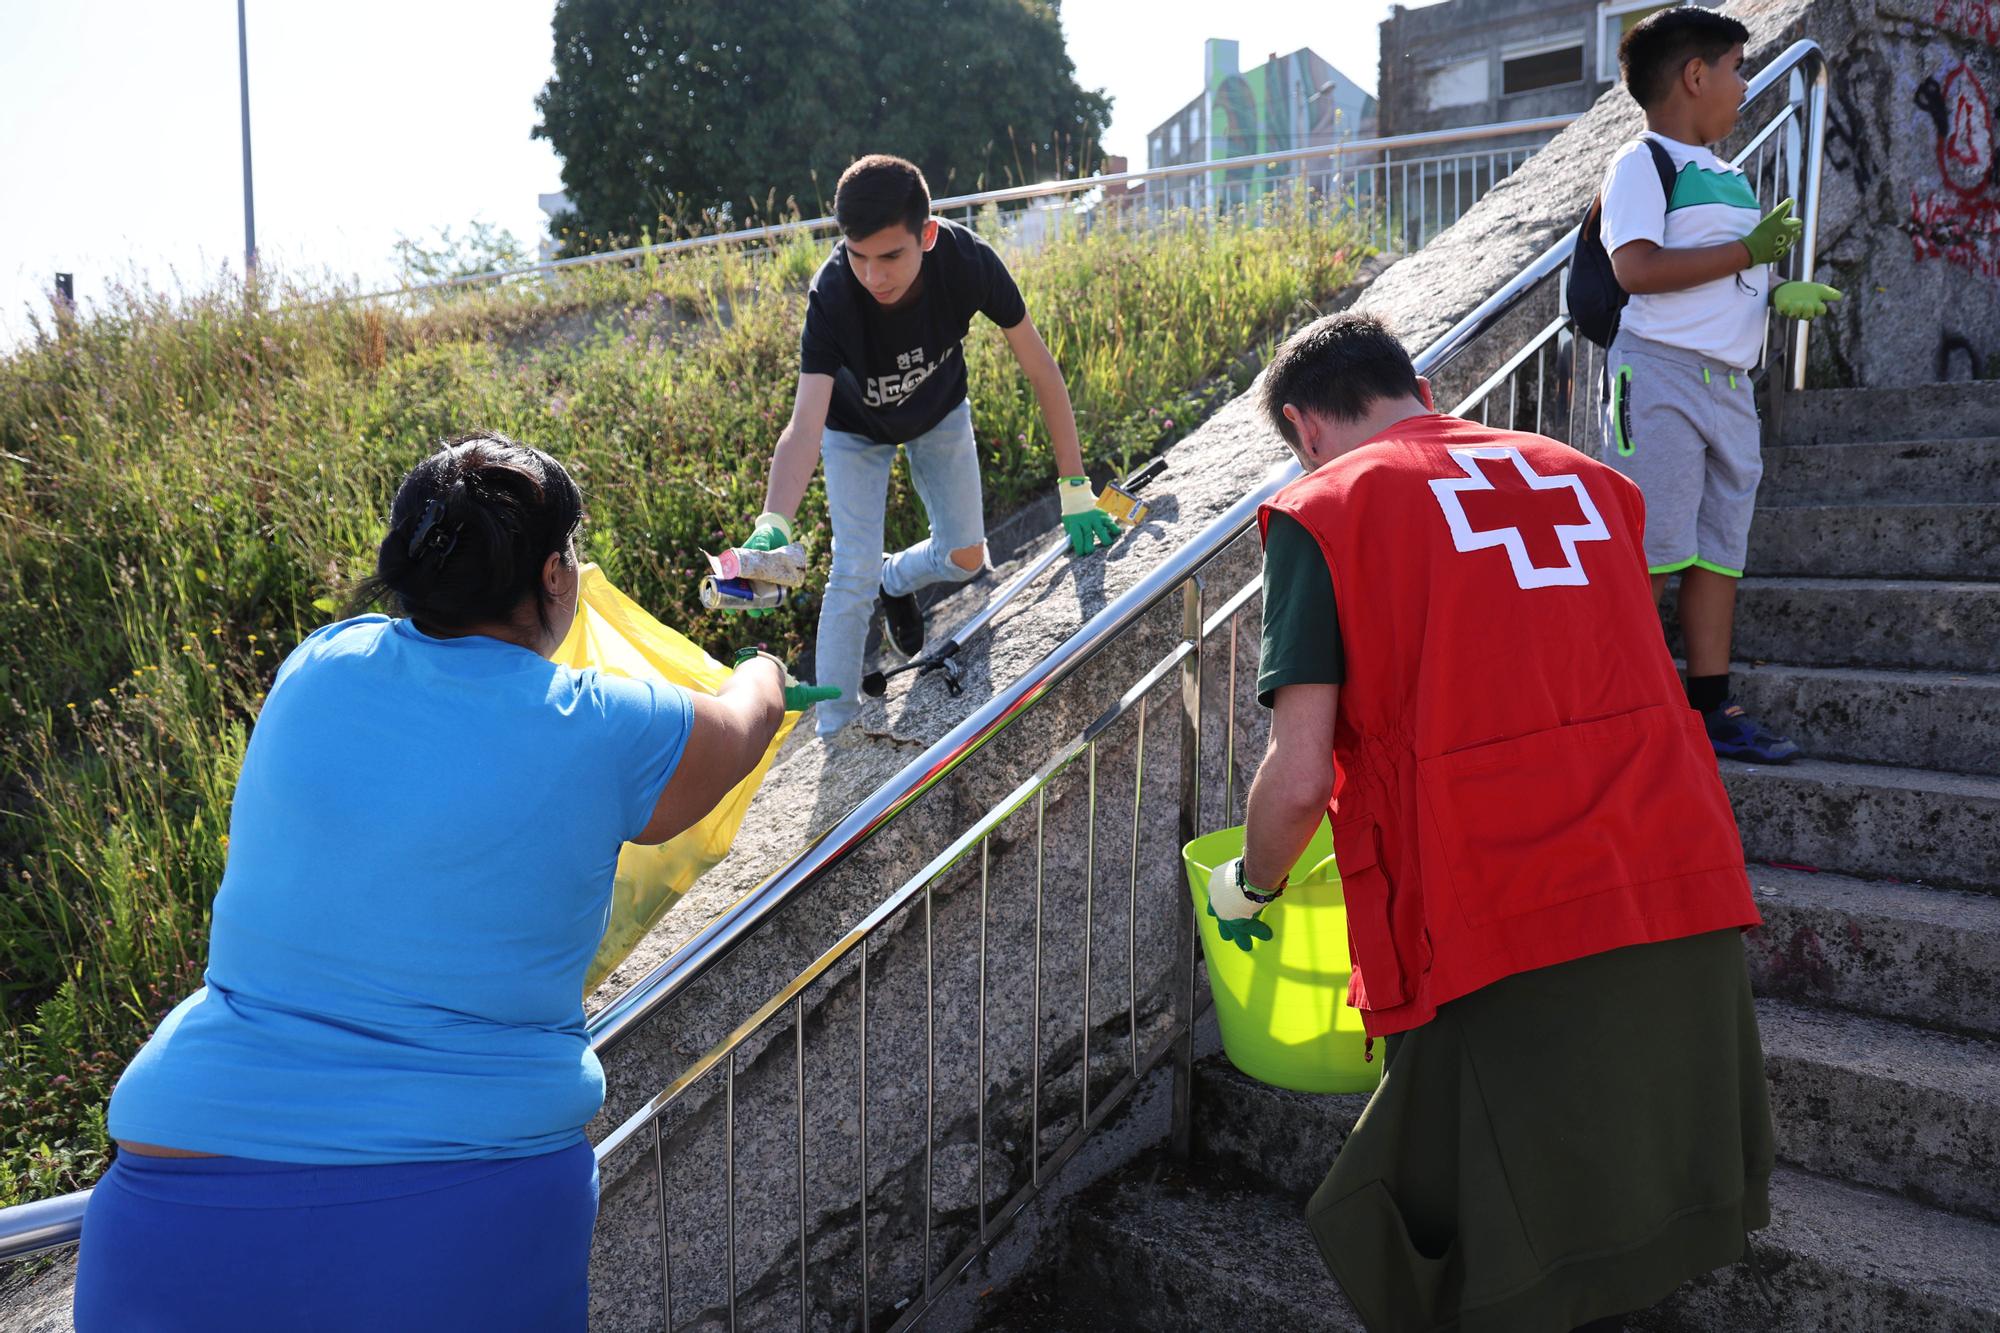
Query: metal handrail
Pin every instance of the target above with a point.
(29, 1228)
(1010, 194)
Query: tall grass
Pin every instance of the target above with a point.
(188, 487)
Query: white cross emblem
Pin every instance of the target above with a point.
(1526, 573)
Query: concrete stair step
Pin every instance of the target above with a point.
(1918, 719)
(1844, 1259)
(1894, 624)
(1266, 1137)
(1885, 1104)
(1886, 472)
(1840, 1256)
(1862, 819)
(1922, 955)
(1958, 540)
(1918, 412)
(1163, 1248)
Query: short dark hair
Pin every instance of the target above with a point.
(1337, 366)
(1658, 47)
(469, 531)
(879, 191)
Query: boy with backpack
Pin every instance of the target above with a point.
(882, 364)
(1689, 243)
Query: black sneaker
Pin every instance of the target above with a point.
(905, 620)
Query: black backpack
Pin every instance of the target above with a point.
(1596, 301)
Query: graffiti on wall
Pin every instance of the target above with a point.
(1861, 84)
(1977, 19)
(1960, 223)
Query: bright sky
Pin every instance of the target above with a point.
(120, 153)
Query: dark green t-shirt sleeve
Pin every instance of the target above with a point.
(1301, 627)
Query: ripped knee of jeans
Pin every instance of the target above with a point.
(968, 562)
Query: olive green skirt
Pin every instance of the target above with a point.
(1563, 1145)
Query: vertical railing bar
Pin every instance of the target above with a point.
(799, 1087)
(1035, 1086)
(1514, 400)
(1132, 915)
(666, 1260)
(1229, 733)
(729, 1168)
(1189, 820)
(864, 1137)
(1089, 911)
(930, 1083)
(985, 877)
(1541, 385)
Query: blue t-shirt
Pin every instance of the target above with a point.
(420, 863)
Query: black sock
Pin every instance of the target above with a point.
(1707, 693)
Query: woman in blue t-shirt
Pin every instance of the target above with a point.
(372, 1113)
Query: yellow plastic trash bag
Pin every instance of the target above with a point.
(615, 635)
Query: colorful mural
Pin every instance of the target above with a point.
(1288, 102)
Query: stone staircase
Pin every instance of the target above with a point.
(1869, 630)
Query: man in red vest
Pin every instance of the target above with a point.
(1543, 880)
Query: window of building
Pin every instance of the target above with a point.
(1615, 18)
(1194, 127)
(1156, 158)
(1174, 139)
(1461, 83)
(1547, 65)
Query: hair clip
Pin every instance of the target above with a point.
(429, 536)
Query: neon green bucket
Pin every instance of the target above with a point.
(1283, 1005)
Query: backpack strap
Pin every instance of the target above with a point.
(1663, 163)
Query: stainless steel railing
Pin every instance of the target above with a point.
(1368, 172)
(1784, 152)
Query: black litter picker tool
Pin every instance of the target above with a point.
(1120, 500)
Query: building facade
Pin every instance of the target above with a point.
(1477, 62)
(1293, 101)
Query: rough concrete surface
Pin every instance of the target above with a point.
(1916, 719)
(1159, 1247)
(1929, 956)
(1881, 472)
(1884, 1104)
(1860, 819)
(1843, 1259)
(1925, 541)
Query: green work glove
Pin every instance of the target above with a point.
(1243, 932)
(798, 697)
(773, 531)
(1803, 300)
(1236, 905)
(1087, 525)
(1774, 236)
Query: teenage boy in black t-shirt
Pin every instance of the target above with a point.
(882, 364)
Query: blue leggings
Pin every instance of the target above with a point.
(222, 1244)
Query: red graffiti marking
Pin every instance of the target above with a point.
(1979, 19)
(1965, 149)
(1961, 224)
(1959, 230)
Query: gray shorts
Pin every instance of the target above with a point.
(1685, 429)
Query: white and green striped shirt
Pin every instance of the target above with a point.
(1712, 203)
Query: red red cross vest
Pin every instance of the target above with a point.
(1520, 779)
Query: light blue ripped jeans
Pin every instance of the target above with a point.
(944, 468)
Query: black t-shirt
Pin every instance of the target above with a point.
(896, 373)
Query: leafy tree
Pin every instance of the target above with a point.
(481, 248)
(691, 114)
